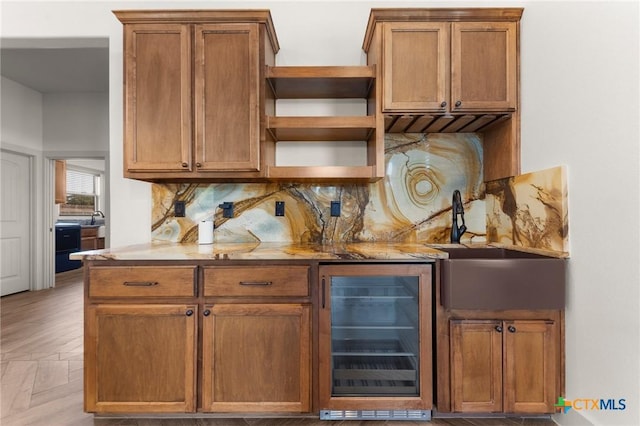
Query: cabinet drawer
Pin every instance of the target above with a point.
(89, 232)
(142, 281)
(257, 281)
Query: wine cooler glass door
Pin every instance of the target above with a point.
(375, 335)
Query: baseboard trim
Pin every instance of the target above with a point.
(571, 418)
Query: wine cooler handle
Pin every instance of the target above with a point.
(323, 293)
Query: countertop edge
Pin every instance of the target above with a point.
(362, 251)
(266, 251)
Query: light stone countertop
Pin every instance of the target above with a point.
(381, 251)
(266, 251)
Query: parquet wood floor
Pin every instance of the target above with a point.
(41, 370)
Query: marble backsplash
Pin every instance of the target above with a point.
(411, 204)
(529, 210)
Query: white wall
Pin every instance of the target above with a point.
(579, 106)
(93, 165)
(21, 115)
(76, 122)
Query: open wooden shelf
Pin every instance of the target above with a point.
(326, 82)
(323, 173)
(332, 82)
(301, 129)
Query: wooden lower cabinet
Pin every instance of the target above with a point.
(140, 358)
(89, 238)
(256, 358)
(161, 338)
(476, 366)
(530, 367)
(503, 366)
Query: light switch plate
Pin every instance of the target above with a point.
(335, 208)
(179, 209)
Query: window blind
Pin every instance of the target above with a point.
(79, 182)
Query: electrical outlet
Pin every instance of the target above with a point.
(279, 208)
(227, 209)
(335, 208)
(179, 209)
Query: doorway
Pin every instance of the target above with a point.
(71, 79)
(77, 168)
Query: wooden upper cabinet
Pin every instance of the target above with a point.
(194, 93)
(450, 70)
(449, 67)
(416, 64)
(61, 182)
(484, 66)
(227, 116)
(157, 98)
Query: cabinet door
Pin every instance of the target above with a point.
(476, 365)
(227, 88)
(157, 98)
(61, 182)
(140, 358)
(484, 66)
(88, 243)
(530, 366)
(416, 61)
(256, 358)
(88, 238)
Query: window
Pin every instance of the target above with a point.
(83, 190)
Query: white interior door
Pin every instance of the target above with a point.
(15, 214)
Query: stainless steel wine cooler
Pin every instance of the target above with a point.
(375, 341)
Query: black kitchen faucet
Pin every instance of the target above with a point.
(93, 216)
(457, 209)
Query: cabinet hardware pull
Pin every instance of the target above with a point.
(206, 313)
(498, 329)
(184, 164)
(458, 103)
(323, 293)
(264, 283)
(443, 104)
(189, 312)
(198, 165)
(140, 283)
(511, 329)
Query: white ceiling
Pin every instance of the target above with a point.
(59, 66)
